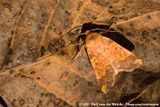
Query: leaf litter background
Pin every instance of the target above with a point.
(32, 76)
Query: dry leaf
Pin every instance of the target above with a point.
(60, 79)
(19, 90)
(29, 30)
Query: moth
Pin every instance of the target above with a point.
(108, 58)
(108, 52)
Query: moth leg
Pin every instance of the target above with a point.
(79, 46)
(88, 57)
(78, 53)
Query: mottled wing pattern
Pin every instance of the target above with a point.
(108, 58)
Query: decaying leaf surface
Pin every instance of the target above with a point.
(18, 90)
(29, 30)
(61, 80)
(9, 11)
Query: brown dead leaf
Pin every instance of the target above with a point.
(61, 80)
(29, 30)
(19, 90)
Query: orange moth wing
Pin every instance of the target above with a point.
(108, 58)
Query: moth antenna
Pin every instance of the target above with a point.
(110, 22)
(59, 49)
(52, 53)
(63, 35)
